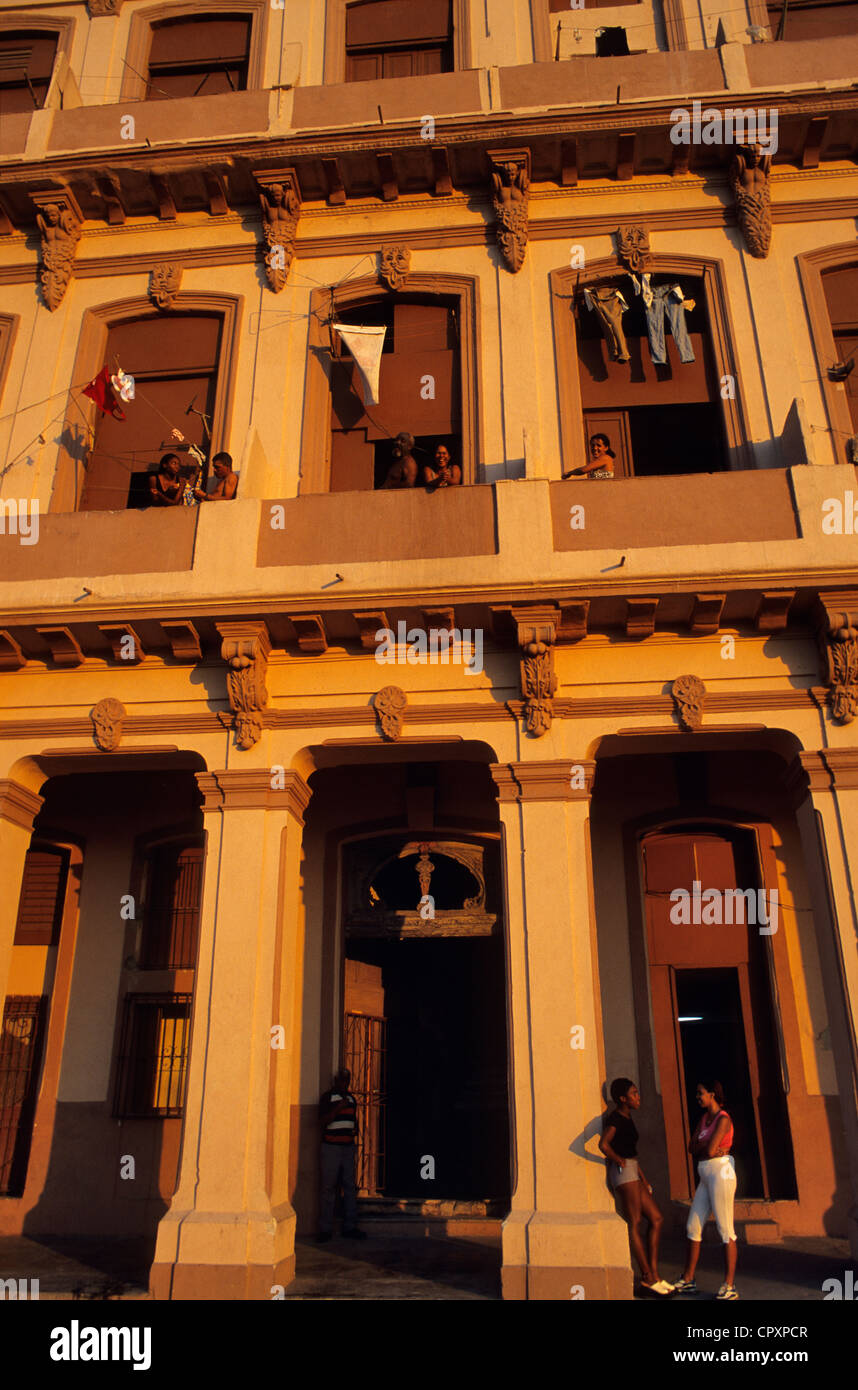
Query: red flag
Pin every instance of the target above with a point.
(101, 391)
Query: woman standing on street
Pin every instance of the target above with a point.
(710, 1145)
(619, 1144)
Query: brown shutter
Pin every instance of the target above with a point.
(26, 60)
(200, 41)
(40, 906)
(173, 910)
(387, 22)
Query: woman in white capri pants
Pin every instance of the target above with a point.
(710, 1144)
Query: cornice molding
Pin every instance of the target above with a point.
(18, 804)
(435, 238)
(450, 712)
(827, 769)
(234, 790)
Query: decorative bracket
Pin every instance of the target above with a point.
(394, 265)
(749, 180)
(59, 220)
(108, 717)
(633, 248)
(389, 705)
(536, 630)
(245, 648)
(280, 199)
(689, 693)
(510, 175)
(837, 635)
(165, 281)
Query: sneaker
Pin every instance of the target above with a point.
(727, 1292)
(660, 1288)
(355, 1234)
(685, 1286)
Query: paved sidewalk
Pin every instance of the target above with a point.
(407, 1268)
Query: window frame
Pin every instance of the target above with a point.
(145, 854)
(812, 265)
(61, 25)
(121, 1107)
(335, 41)
(135, 79)
(70, 476)
(543, 26)
(8, 332)
(568, 281)
(316, 429)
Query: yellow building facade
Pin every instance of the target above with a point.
(244, 836)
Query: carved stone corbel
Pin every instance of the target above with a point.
(689, 693)
(536, 630)
(245, 648)
(280, 199)
(389, 705)
(633, 248)
(108, 717)
(99, 8)
(394, 265)
(837, 634)
(749, 180)
(59, 220)
(510, 171)
(165, 281)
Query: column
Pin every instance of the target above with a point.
(18, 809)
(562, 1238)
(230, 1230)
(825, 787)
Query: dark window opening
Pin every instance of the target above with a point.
(611, 43)
(173, 360)
(419, 390)
(172, 910)
(841, 296)
(26, 64)
(22, 1037)
(812, 19)
(398, 38)
(659, 418)
(153, 1055)
(198, 57)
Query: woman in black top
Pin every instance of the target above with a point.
(619, 1144)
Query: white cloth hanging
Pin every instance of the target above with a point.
(365, 346)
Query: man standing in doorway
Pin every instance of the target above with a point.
(338, 1119)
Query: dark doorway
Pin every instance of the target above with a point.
(712, 1035)
(445, 1120)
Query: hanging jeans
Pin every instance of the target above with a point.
(669, 299)
(610, 306)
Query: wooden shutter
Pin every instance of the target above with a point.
(388, 22)
(40, 906)
(172, 359)
(26, 61)
(173, 908)
(841, 297)
(203, 56)
(810, 19)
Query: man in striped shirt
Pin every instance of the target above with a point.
(338, 1119)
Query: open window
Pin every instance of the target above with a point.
(26, 64)
(176, 366)
(841, 297)
(419, 390)
(398, 38)
(659, 418)
(812, 19)
(198, 56)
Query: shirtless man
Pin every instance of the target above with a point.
(403, 471)
(227, 481)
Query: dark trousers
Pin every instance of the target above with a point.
(338, 1170)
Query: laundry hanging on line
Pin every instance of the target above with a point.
(666, 299)
(610, 306)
